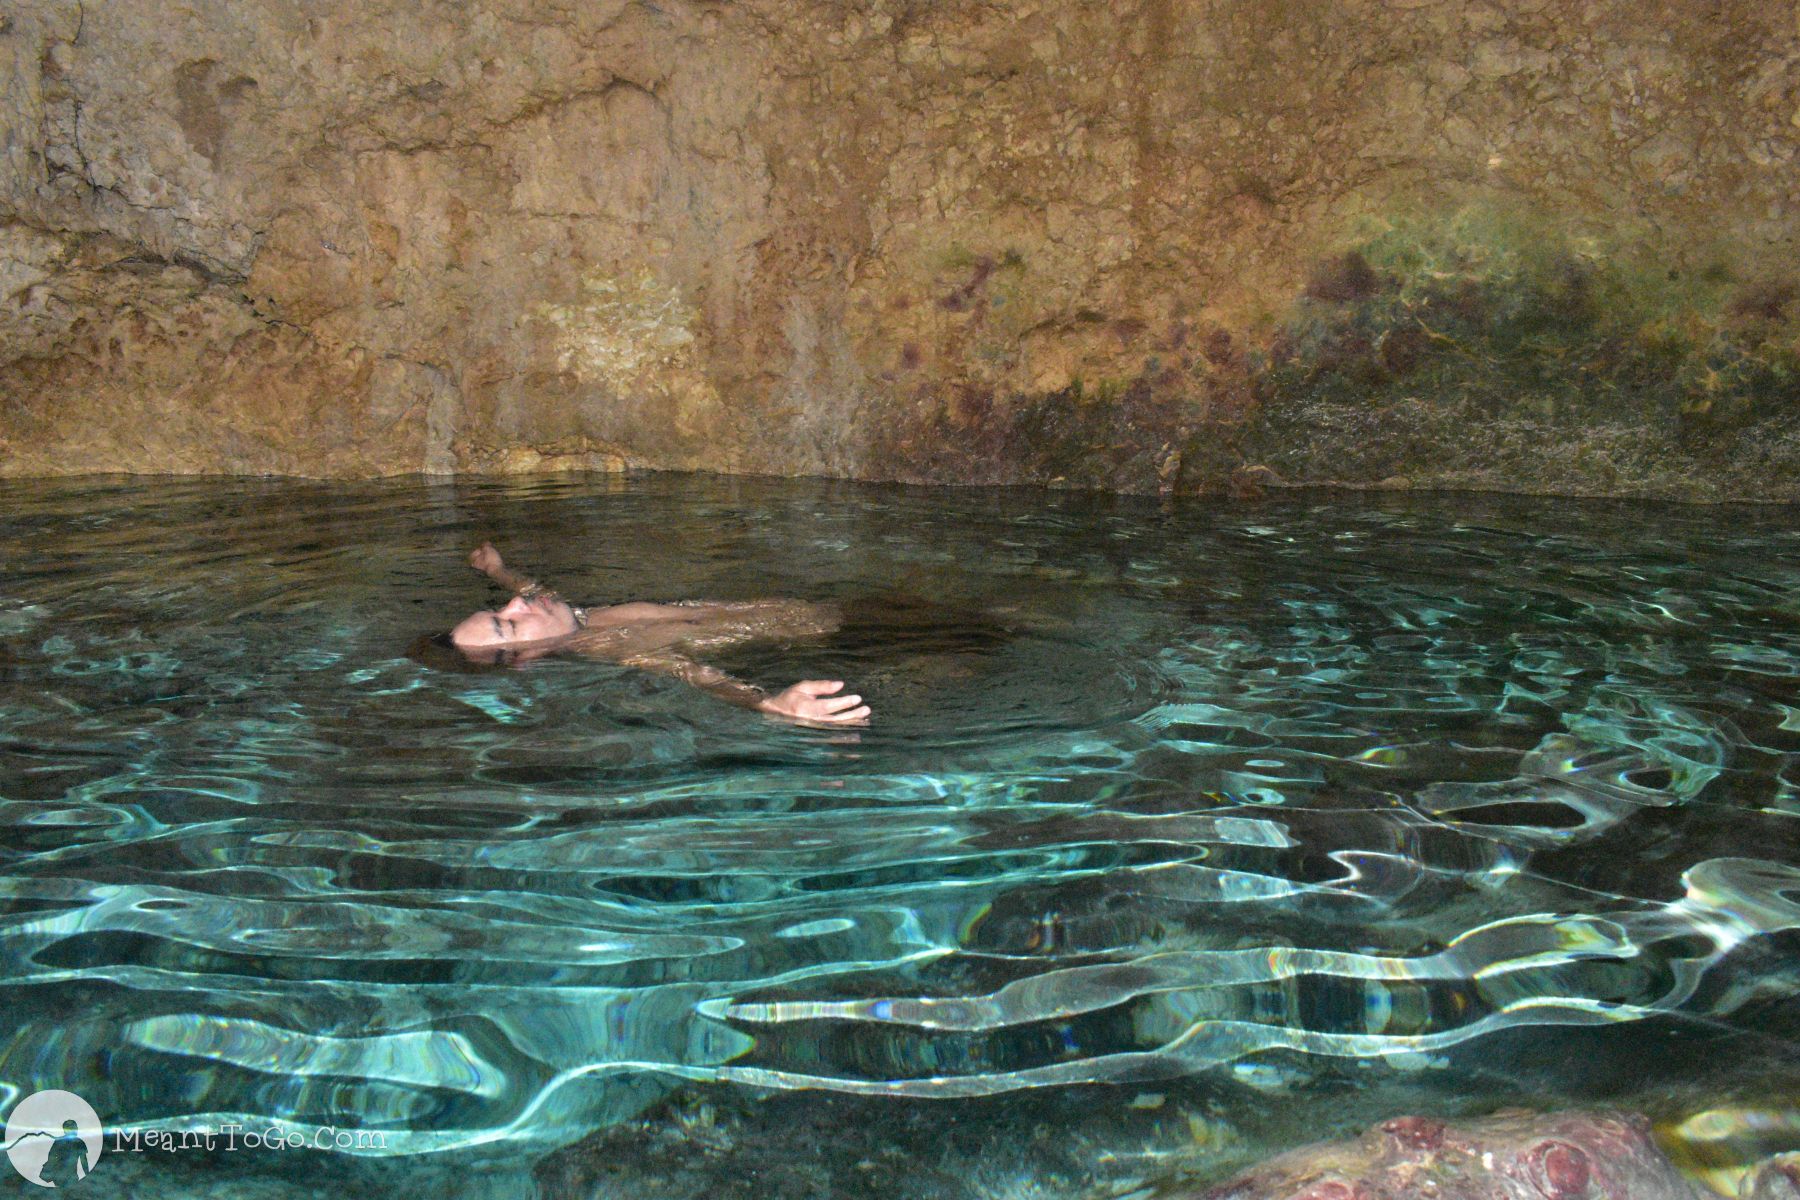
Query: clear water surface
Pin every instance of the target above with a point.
(1182, 835)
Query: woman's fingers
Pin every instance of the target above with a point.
(841, 710)
(855, 716)
(814, 701)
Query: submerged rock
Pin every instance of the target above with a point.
(1510, 1156)
(1776, 1179)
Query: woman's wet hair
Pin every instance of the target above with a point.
(438, 652)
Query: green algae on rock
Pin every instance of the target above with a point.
(1500, 351)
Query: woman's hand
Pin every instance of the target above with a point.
(486, 559)
(814, 702)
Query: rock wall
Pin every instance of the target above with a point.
(1135, 244)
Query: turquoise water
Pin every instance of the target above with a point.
(1181, 834)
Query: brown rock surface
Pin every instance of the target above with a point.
(960, 241)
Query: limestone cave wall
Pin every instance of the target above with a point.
(1136, 244)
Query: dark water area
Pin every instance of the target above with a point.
(1181, 835)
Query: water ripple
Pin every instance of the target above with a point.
(1149, 795)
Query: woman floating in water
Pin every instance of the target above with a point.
(655, 637)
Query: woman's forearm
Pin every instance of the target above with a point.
(708, 679)
(487, 560)
(511, 580)
(820, 702)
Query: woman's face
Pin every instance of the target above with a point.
(538, 619)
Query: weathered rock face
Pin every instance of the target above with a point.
(1095, 243)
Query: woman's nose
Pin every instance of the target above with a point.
(518, 606)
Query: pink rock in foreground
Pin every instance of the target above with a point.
(1510, 1156)
(1776, 1179)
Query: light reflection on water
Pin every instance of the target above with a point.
(1272, 819)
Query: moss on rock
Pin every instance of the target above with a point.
(1491, 349)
